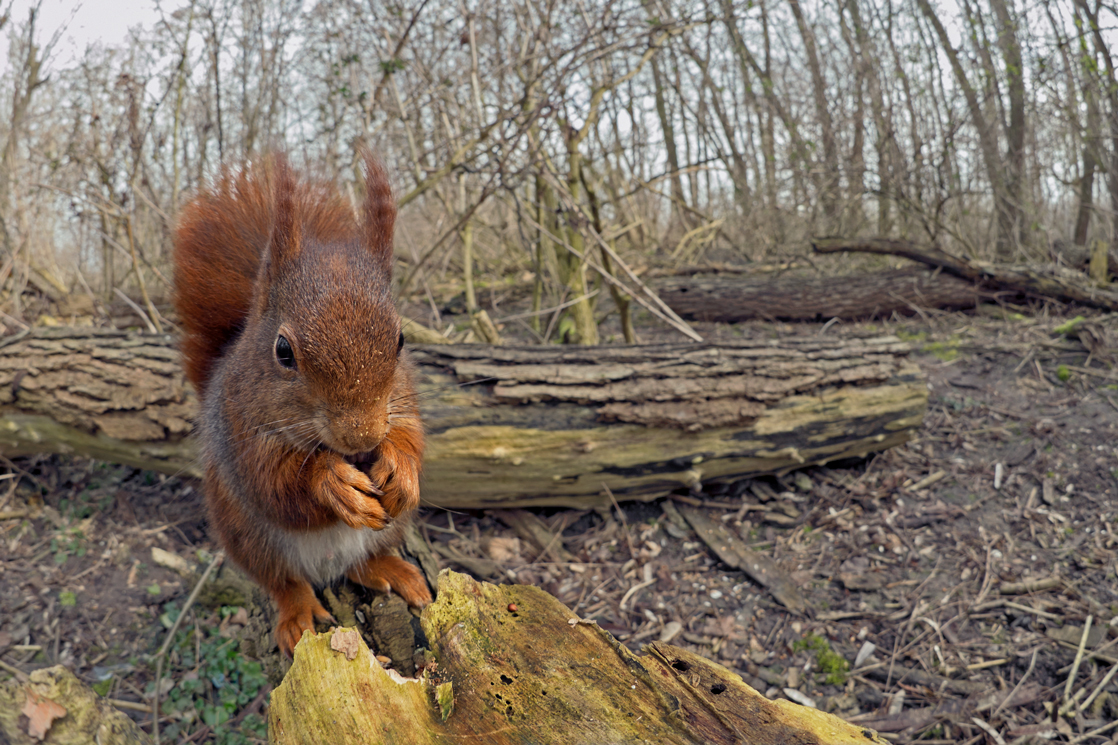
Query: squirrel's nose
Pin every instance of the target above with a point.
(359, 434)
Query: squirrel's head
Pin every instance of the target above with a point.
(327, 317)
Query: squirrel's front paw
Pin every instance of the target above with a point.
(397, 474)
(352, 495)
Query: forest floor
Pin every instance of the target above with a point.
(951, 580)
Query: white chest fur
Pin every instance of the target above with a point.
(324, 555)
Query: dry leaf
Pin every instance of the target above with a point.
(504, 550)
(171, 561)
(346, 641)
(41, 713)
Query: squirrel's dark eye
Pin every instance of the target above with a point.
(401, 344)
(285, 355)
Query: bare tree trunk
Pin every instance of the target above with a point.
(1015, 133)
(27, 82)
(773, 108)
(679, 214)
(829, 182)
(1111, 88)
(885, 144)
(1091, 137)
(1007, 209)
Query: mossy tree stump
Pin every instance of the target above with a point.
(514, 665)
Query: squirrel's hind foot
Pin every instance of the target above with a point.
(298, 610)
(384, 573)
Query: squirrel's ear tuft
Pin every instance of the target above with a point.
(380, 212)
(285, 241)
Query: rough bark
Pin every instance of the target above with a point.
(880, 294)
(514, 665)
(1053, 282)
(546, 426)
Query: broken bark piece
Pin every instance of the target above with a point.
(731, 550)
(534, 674)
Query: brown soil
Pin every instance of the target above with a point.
(919, 575)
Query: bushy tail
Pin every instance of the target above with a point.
(219, 240)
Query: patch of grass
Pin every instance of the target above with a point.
(213, 682)
(68, 542)
(832, 664)
(966, 404)
(86, 503)
(1063, 373)
(1066, 328)
(944, 350)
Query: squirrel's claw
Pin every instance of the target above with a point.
(352, 495)
(398, 474)
(298, 610)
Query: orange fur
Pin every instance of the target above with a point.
(313, 450)
(386, 573)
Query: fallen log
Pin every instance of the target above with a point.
(546, 426)
(513, 665)
(1079, 257)
(796, 298)
(1054, 282)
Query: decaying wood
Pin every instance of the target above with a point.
(52, 701)
(514, 665)
(1079, 257)
(796, 298)
(1054, 282)
(547, 426)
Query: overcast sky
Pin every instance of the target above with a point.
(85, 21)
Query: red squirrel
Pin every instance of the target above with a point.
(310, 434)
